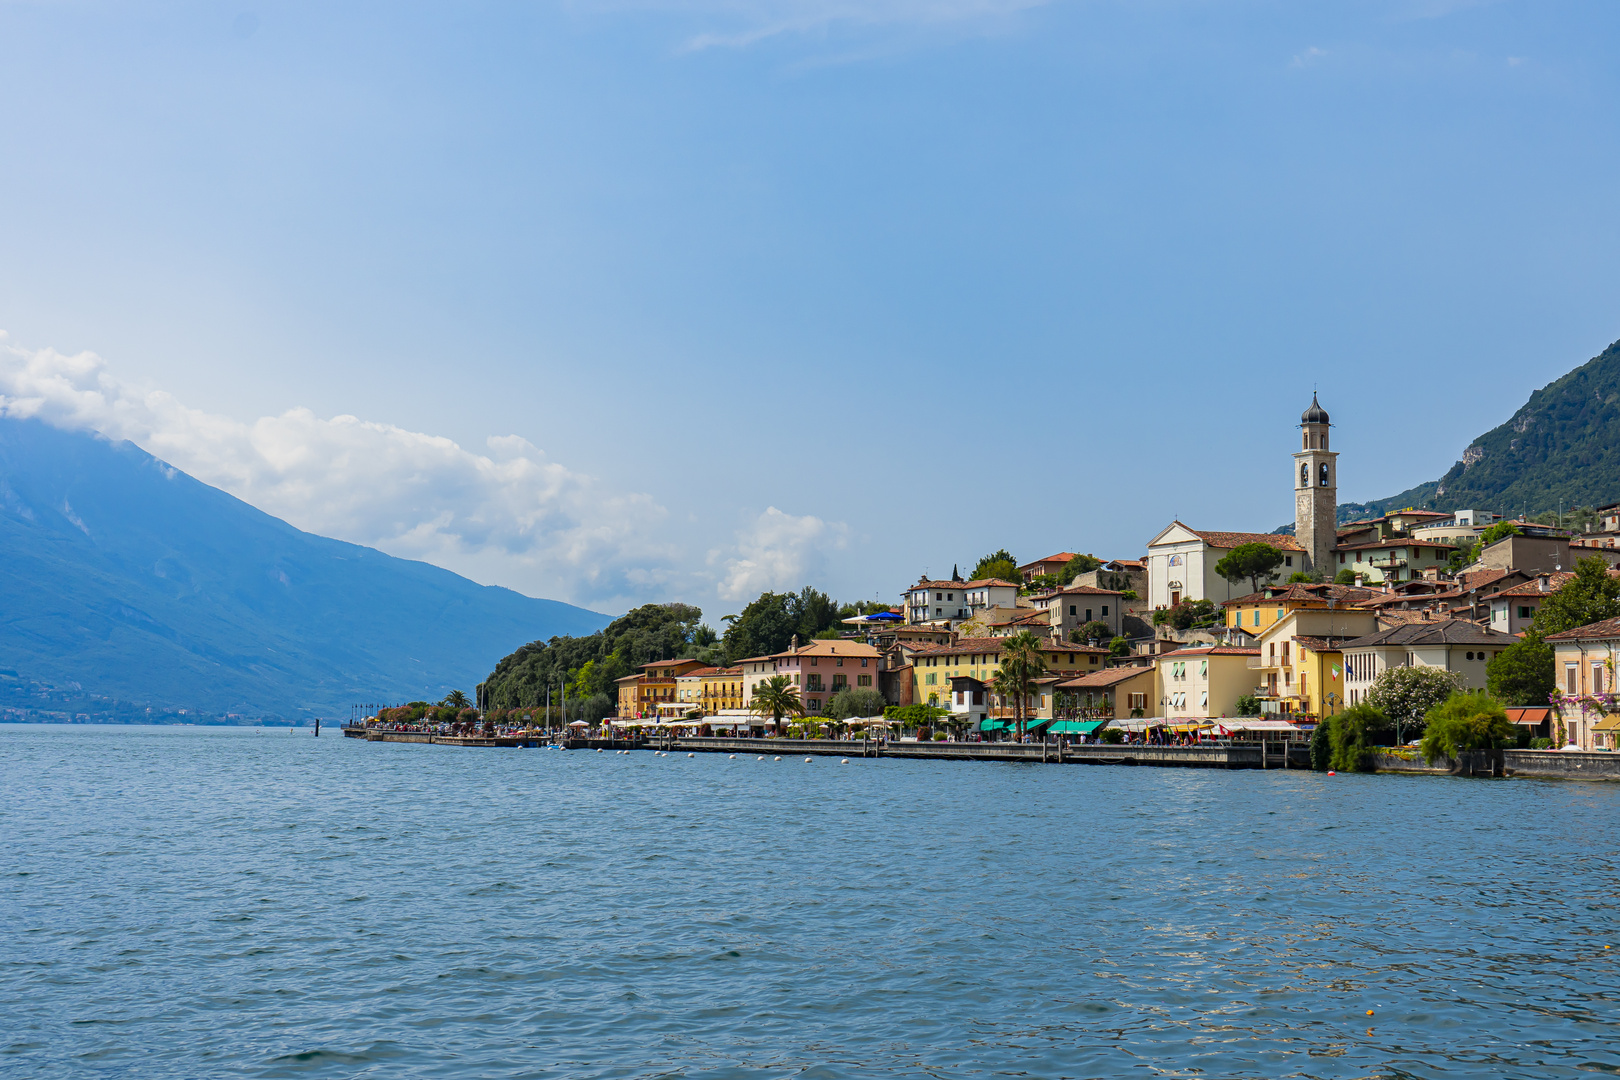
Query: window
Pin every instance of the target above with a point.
(864, 659)
(1203, 702)
(1088, 614)
(1524, 611)
(1203, 669)
(1324, 474)
(863, 680)
(1341, 558)
(1597, 676)
(1288, 560)
(931, 680)
(1304, 475)
(1071, 609)
(1138, 701)
(1572, 679)
(813, 662)
(1105, 611)
(1257, 619)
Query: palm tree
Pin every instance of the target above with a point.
(777, 697)
(1021, 663)
(457, 699)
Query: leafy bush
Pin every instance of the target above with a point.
(1322, 747)
(1248, 705)
(939, 736)
(1113, 736)
(1541, 744)
(1095, 630)
(1185, 614)
(1345, 577)
(1474, 721)
(1120, 646)
(912, 715)
(1406, 694)
(1351, 737)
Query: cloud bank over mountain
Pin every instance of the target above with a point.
(506, 514)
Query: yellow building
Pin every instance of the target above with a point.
(1300, 668)
(934, 666)
(1254, 613)
(722, 689)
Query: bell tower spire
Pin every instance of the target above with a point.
(1316, 491)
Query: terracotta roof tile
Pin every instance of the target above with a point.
(1607, 628)
(1280, 541)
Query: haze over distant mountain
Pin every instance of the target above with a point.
(1562, 448)
(127, 585)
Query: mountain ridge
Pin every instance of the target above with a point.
(140, 585)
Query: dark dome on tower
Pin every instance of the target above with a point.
(1315, 414)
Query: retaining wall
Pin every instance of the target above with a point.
(1562, 764)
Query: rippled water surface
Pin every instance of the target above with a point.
(205, 903)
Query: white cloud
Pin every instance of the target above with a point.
(1309, 56)
(508, 515)
(777, 551)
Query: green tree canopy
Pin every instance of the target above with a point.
(1094, 631)
(767, 625)
(1406, 694)
(997, 564)
(856, 701)
(1345, 577)
(1352, 735)
(1522, 673)
(776, 697)
(1080, 564)
(1255, 563)
(651, 632)
(1473, 721)
(1588, 597)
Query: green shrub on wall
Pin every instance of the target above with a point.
(1474, 721)
(1350, 738)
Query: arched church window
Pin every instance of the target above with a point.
(1304, 475)
(1324, 474)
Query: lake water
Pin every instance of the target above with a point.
(218, 903)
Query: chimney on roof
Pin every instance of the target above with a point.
(795, 645)
(1542, 582)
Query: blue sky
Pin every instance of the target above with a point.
(754, 294)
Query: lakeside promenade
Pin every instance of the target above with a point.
(1537, 764)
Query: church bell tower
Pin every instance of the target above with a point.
(1316, 491)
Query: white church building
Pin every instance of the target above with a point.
(1181, 559)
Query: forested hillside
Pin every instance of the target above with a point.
(1561, 449)
(591, 666)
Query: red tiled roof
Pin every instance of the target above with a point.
(1103, 678)
(1533, 588)
(1301, 591)
(1087, 590)
(1060, 557)
(1211, 650)
(1607, 628)
(989, 582)
(994, 645)
(938, 585)
(1395, 543)
(1280, 541)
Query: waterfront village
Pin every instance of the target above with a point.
(1209, 633)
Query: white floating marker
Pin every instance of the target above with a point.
(844, 762)
(733, 757)
(807, 761)
(778, 759)
(691, 755)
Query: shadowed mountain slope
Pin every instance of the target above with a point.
(125, 580)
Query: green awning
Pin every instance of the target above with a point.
(1075, 727)
(994, 725)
